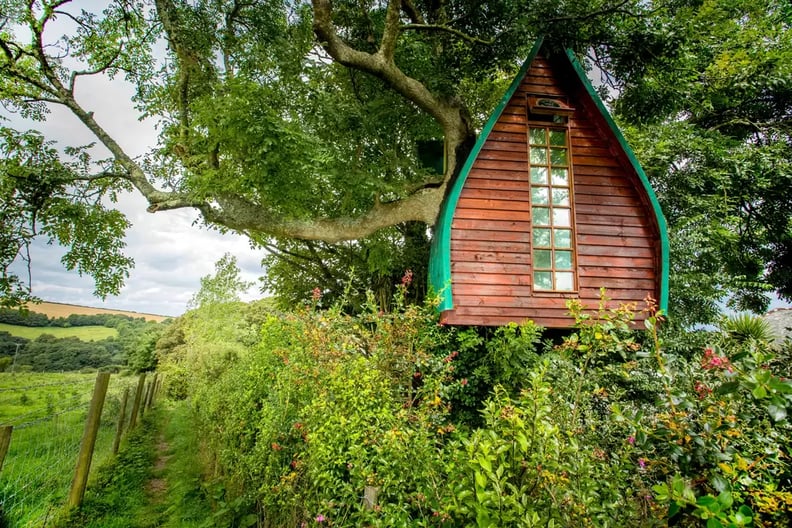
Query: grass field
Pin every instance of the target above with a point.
(55, 310)
(48, 413)
(86, 333)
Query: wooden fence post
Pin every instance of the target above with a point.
(370, 494)
(144, 403)
(136, 403)
(5, 442)
(152, 391)
(121, 420)
(88, 440)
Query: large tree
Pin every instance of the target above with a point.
(286, 121)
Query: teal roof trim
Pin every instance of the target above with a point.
(658, 211)
(440, 254)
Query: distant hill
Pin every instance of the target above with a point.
(54, 310)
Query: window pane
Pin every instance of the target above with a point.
(562, 238)
(541, 216)
(563, 260)
(538, 156)
(561, 218)
(560, 197)
(560, 177)
(541, 237)
(540, 195)
(543, 280)
(538, 136)
(539, 175)
(558, 156)
(543, 259)
(565, 281)
(558, 138)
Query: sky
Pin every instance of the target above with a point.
(171, 254)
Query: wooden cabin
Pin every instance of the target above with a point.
(550, 205)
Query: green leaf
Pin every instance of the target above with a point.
(725, 499)
(777, 410)
(730, 387)
(714, 523)
(759, 392)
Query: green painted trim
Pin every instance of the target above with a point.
(661, 222)
(440, 253)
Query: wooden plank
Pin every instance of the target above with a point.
(471, 300)
(510, 127)
(491, 290)
(496, 257)
(512, 117)
(491, 278)
(510, 137)
(486, 214)
(496, 230)
(510, 185)
(481, 245)
(606, 199)
(616, 262)
(613, 241)
(601, 175)
(613, 283)
(617, 295)
(489, 267)
(521, 166)
(499, 205)
(609, 210)
(518, 174)
(615, 230)
(487, 235)
(580, 141)
(610, 190)
(520, 155)
(616, 252)
(599, 272)
(489, 320)
(509, 146)
(488, 193)
(604, 219)
(606, 161)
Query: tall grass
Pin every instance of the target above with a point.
(48, 412)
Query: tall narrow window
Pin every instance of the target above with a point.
(552, 232)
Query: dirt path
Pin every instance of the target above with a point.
(157, 487)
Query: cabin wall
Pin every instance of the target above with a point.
(617, 242)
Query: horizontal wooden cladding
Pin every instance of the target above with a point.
(515, 193)
(597, 161)
(616, 262)
(599, 190)
(489, 291)
(506, 146)
(479, 203)
(472, 298)
(520, 155)
(635, 211)
(520, 137)
(585, 239)
(454, 318)
(491, 165)
(492, 278)
(643, 231)
(615, 252)
(489, 214)
(494, 230)
(497, 257)
(488, 267)
(602, 218)
(606, 199)
(516, 183)
(484, 247)
(596, 273)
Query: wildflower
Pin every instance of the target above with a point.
(320, 518)
(642, 463)
(464, 382)
(631, 440)
(316, 294)
(702, 390)
(712, 361)
(407, 278)
(276, 447)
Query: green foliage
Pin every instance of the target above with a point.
(225, 286)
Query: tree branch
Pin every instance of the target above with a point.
(446, 29)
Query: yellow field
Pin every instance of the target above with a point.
(55, 310)
(85, 333)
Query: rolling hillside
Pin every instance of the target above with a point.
(54, 310)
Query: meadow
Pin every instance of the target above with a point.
(84, 333)
(48, 413)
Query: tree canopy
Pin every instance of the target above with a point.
(304, 125)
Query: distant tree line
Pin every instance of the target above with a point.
(35, 319)
(133, 348)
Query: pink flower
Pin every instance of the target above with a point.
(464, 381)
(407, 278)
(320, 518)
(642, 463)
(316, 294)
(631, 440)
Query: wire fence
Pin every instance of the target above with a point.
(49, 419)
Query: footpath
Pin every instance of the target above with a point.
(155, 481)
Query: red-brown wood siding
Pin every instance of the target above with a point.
(617, 241)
